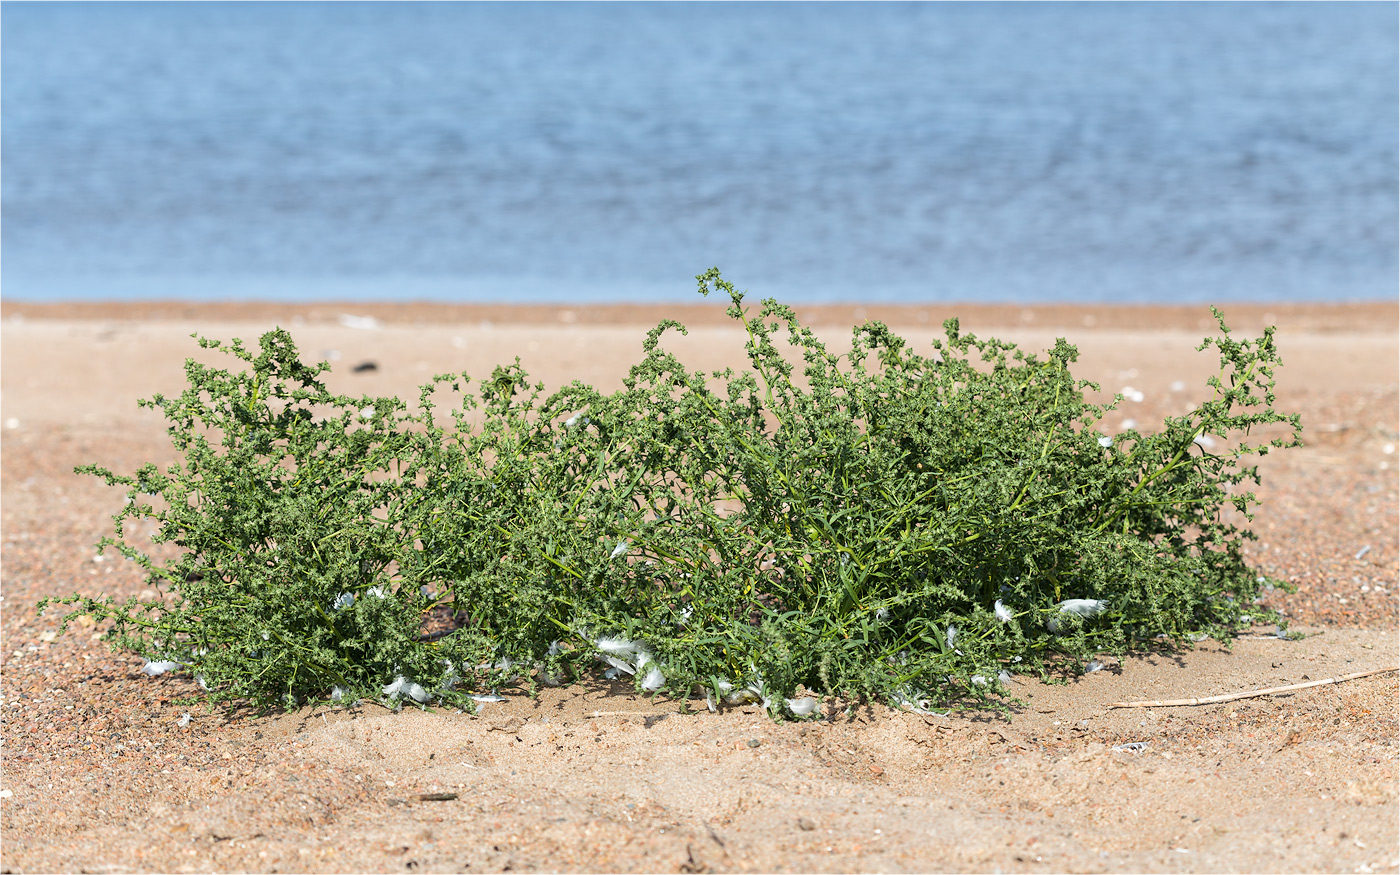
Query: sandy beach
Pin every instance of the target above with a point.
(102, 775)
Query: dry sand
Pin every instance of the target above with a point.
(99, 775)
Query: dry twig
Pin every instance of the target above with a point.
(1168, 703)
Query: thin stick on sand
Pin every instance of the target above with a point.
(1172, 703)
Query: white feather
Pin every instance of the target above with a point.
(1002, 611)
(803, 706)
(1082, 607)
(154, 668)
(619, 664)
(402, 686)
(654, 680)
(617, 646)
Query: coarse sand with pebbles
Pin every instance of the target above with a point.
(103, 773)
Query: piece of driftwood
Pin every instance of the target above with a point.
(1211, 700)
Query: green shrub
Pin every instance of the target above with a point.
(878, 523)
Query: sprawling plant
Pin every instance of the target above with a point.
(876, 523)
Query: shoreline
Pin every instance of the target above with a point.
(1367, 317)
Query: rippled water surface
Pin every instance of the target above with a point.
(1097, 152)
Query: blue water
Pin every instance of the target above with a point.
(1100, 152)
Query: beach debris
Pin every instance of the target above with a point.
(951, 636)
(487, 699)
(1105, 441)
(436, 797)
(1002, 611)
(1093, 666)
(1131, 394)
(1132, 747)
(621, 549)
(803, 706)
(184, 719)
(1204, 441)
(1362, 552)
(343, 601)
(365, 367)
(1004, 676)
